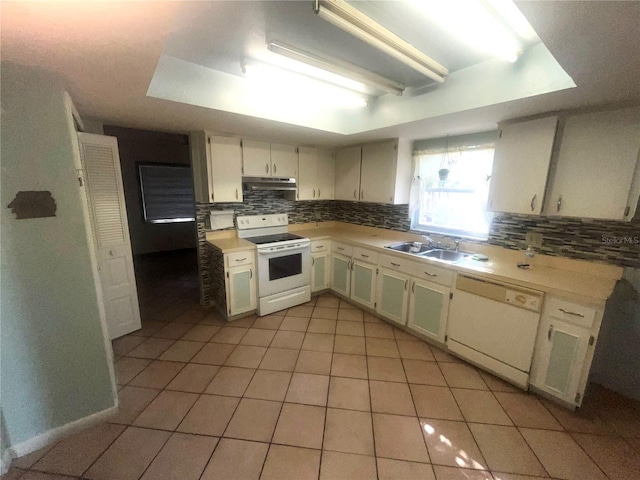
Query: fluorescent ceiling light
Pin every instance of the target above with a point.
(283, 88)
(482, 25)
(354, 22)
(334, 70)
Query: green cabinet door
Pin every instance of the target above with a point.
(428, 309)
(319, 272)
(242, 293)
(340, 274)
(393, 291)
(363, 285)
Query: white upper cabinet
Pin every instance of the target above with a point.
(284, 160)
(596, 164)
(264, 159)
(347, 184)
(378, 173)
(315, 174)
(217, 168)
(521, 166)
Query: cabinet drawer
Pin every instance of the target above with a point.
(570, 312)
(394, 263)
(432, 274)
(365, 255)
(320, 246)
(238, 258)
(341, 248)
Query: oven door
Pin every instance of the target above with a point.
(282, 271)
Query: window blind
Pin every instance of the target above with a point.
(167, 193)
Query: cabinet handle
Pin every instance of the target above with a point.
(559, 204)
(313, 261)
(361, 194)
(236, 193)
(363, 255)
(406, 284)
(395, 264)
(549, 332)
(413, 287)
(275, 168)
(571, 313)
(354, 195)
(266, 168)
(250, 273)
(533, 201)
(318, 193)
(340, 248)
(212, 197)
(241, 259)
(431, 274)
(314, 193)
(320, 246)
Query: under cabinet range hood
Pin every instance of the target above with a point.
(269, 183)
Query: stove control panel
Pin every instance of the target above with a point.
(247, 222)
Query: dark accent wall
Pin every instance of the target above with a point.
(156, 147)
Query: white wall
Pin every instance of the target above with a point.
(55, 362)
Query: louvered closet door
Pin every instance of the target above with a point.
(105, 194)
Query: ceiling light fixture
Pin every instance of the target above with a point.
(354, 22)
(337, 67)
(277, 86)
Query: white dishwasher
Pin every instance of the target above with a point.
(494, 325)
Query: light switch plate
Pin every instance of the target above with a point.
(534, 239)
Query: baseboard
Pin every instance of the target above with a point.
(5, 461)
(44, 439)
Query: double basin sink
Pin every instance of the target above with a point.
(441, 254)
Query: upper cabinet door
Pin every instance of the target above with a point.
(225, 172)
(521, 166)
(284, 161)
(325, 172)
(378, 177)
(256, 158)
(347, 174)
(596, 165)
(307, 173)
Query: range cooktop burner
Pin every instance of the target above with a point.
(280, 237)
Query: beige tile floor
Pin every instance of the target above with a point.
(325, 391)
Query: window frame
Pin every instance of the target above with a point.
(422, 229)
(139, 166)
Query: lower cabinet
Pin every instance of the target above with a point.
(564, 350)
(341, 273)
(320, 271)
(392, 294)
(428, 309)
(363, 283)
(241, 288)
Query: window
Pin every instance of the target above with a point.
(450, 189)
(167, 193)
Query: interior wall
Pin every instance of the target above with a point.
(56, 365)
(155, 147)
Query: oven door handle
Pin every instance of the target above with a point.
(284, 250)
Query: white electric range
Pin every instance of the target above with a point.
(284, 261)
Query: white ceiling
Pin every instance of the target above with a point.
(107, 52)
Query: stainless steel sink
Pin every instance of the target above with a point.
(449, 256)
(406, 247)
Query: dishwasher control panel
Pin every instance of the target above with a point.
(522, 300)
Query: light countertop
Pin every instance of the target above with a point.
(581, 281)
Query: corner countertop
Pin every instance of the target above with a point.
(589, 283)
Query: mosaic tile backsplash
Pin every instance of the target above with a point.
(617, 243)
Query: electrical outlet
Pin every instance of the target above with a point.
(534, 239)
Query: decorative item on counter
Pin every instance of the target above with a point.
(529, 253)
(221, 219)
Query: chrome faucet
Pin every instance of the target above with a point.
(428, 239)
(457, 247)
